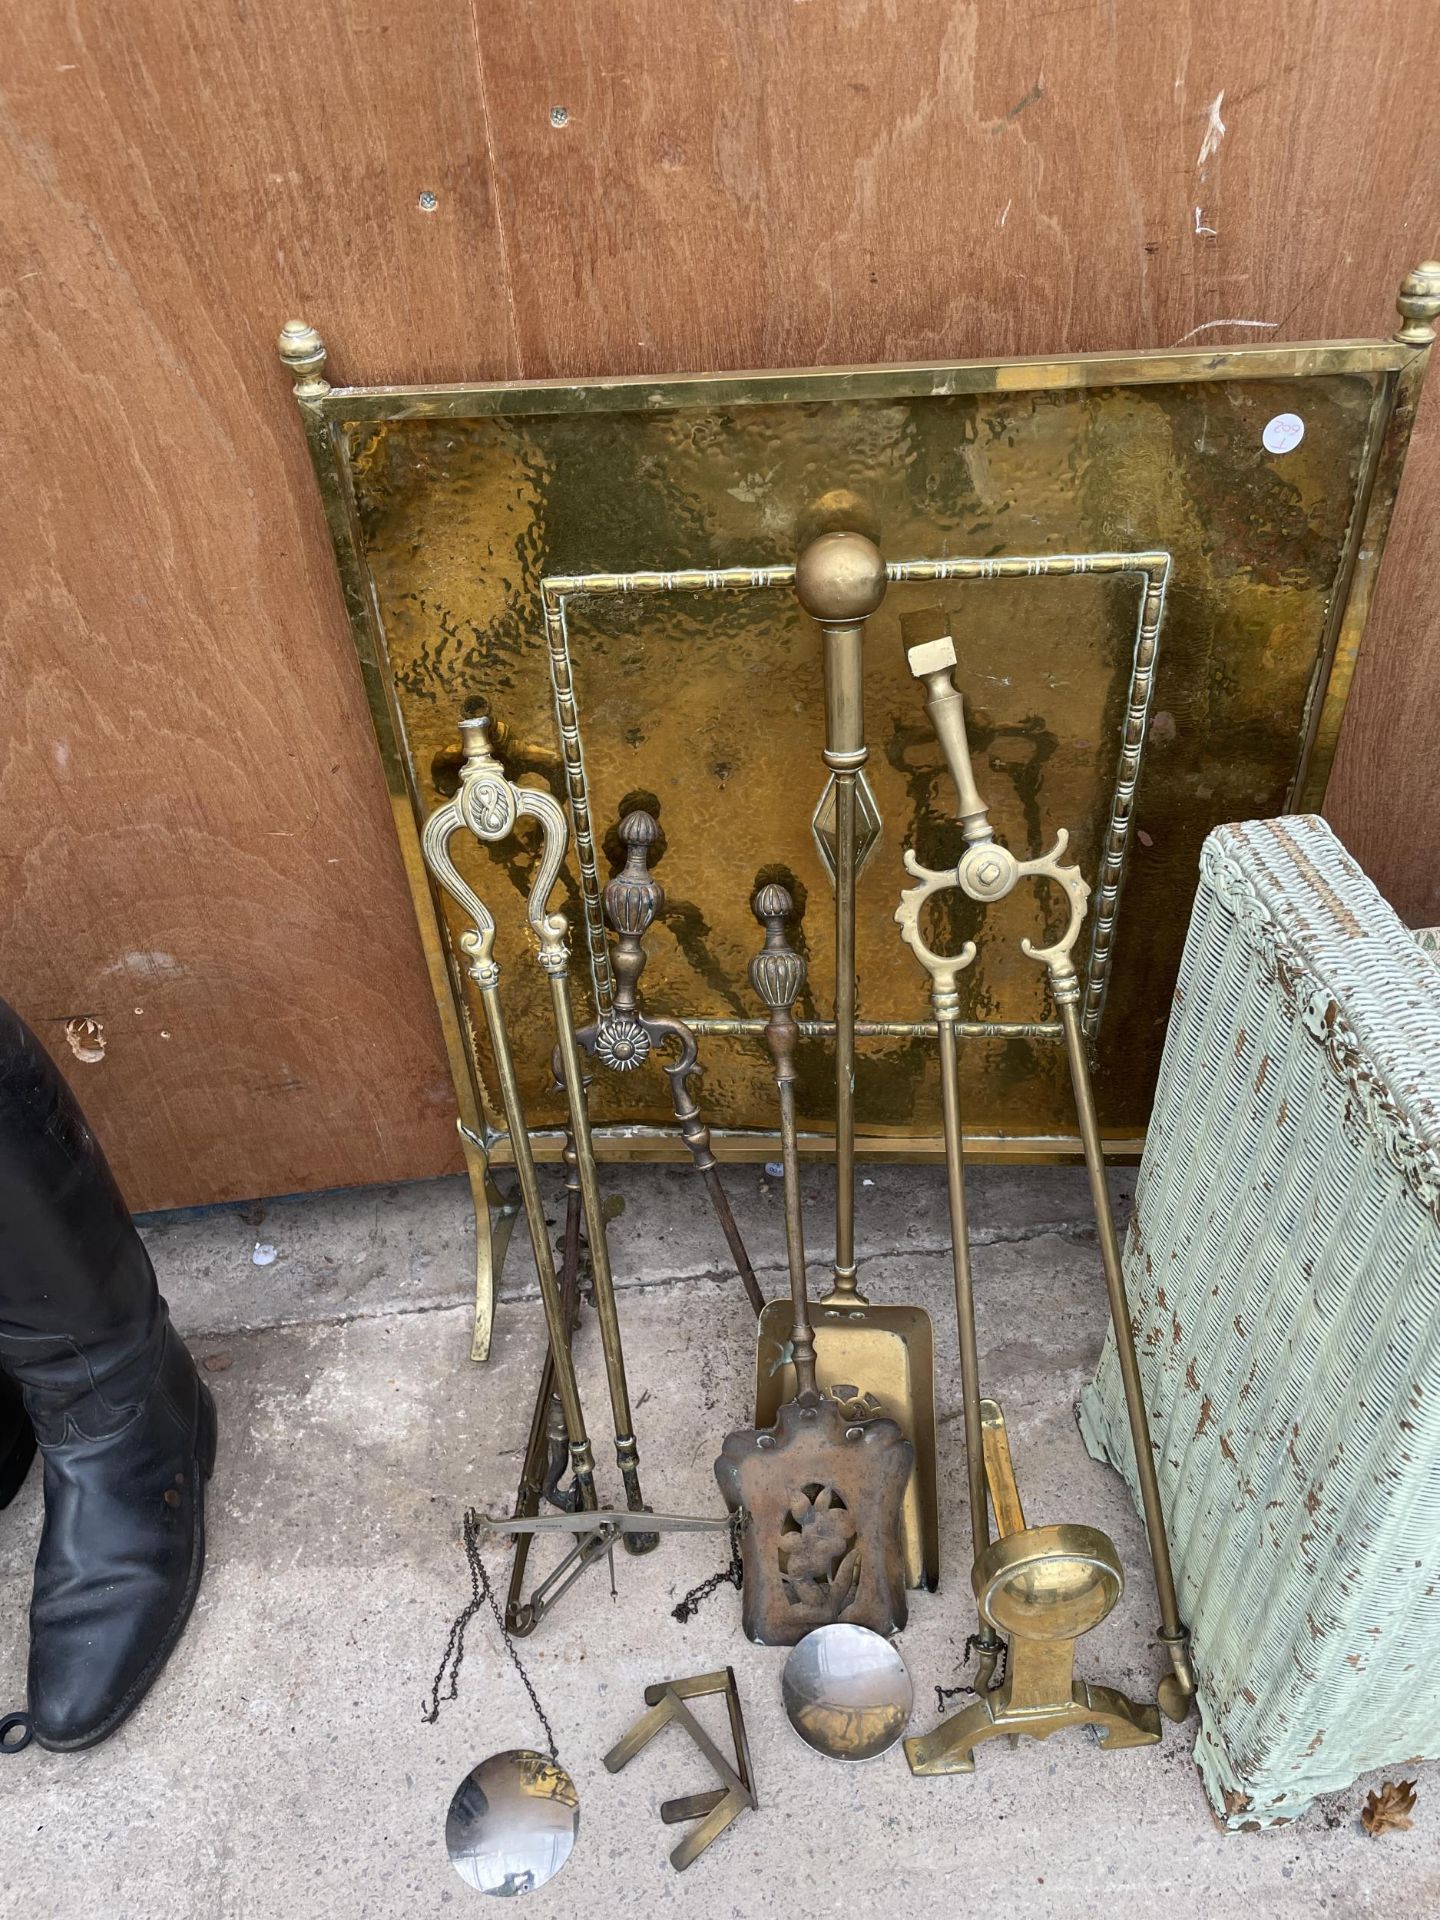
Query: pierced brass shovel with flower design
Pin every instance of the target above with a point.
(822, 1490)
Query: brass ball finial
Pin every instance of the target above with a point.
(635, 896)
(303, 352)
(840, 577)
(1419, 304)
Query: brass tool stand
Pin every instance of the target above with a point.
(488, 805)
(597, 1529)
(716, 1808)
(1044, 1586)
(987, 871)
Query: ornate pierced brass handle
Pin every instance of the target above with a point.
(987, 870)
(489, 805)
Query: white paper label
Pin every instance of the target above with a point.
(1284, 433)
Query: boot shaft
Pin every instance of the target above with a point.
(81, 1319)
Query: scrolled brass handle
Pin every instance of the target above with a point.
(1077, 891)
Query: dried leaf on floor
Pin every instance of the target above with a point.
(218, 1362)
(1389, 1810)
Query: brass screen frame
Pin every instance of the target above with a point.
(326, 410)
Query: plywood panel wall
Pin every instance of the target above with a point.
(194, 832)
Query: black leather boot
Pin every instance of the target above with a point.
(125, 1425)
(17, 1440)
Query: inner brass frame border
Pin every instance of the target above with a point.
(1153, 567)
(325, 410)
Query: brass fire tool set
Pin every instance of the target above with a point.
(832, 1494)
(489, 805)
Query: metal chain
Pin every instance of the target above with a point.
(973, 1645)
(453, 1657)
(731, 1576)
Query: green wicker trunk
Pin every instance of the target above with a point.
(1283, 1270)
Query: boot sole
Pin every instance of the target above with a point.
(203, 1460)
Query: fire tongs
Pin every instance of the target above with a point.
(986, 872)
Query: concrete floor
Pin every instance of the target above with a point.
(281, 1766)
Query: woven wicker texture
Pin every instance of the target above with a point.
(1283, 1271)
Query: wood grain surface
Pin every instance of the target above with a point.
(196, 842)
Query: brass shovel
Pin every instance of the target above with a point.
(878, 1359)
(821, 1491)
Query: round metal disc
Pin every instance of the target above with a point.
(512, 1822)
(847, 1692)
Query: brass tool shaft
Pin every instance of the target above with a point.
(840, 581)
(1177, 1691)
(627, 1452)
(777, 974)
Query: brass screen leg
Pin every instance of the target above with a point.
(494, 1223)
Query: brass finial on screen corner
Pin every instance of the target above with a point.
(303, 352)
(1418, 303)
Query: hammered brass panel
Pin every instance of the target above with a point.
(706, 708)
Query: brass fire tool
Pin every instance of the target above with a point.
(623, 1040)
(716, 1808)
(543, 1467)
(987, 871)
(822, 1490)
(489, 805)
(871, 1358)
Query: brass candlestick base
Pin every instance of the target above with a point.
(1043, 1587)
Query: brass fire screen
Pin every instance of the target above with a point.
(1158, 567)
